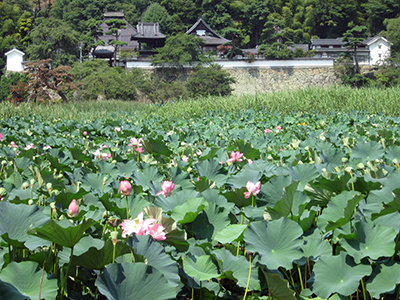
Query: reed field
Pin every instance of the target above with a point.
(312, 100)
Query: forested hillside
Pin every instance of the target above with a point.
(54, 29)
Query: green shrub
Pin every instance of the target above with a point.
(210, 80)
(98, 80)
(10, 80)
(155, 90)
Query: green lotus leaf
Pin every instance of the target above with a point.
(156, 257)
(331, 158)
(200, 267)
(247, 149)
(127, 169)
(133, 281)
(177, 198)
(16, 220)
(210, 221)
(384, 281)
(272, 191)
(368, 151)
(392, 153)
(94, 183)
(233, 232)
(315, 246)
(63, 232)
(237, 268)
(337, 274)
(278, 242)
(277, 286)
(97, 254)
(188, 211)
(145, 177)
(237, 197)
(303, 173)
(212, 170)
(240, 179)
(20, 281)
(339, 210)
(157, 147)
(370, 240)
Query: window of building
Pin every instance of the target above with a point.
(379, 46)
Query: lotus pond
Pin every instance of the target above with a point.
(245, 205)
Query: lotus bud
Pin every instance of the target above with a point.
(32, 182)
(106, 214)
(114, 237)
(73, 209)
(360, 166)
(3, 192)
(104, 180)
(25, 185)
(348, 169)
(125, 188)
(30, 202)
(344, 159)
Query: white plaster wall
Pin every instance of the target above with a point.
(232, 64)
(375, 51)
(14, 62)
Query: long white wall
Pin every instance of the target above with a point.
(232, 64)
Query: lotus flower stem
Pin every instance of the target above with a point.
(363, 289)
(300, 277)
(248, 279)
(113, 261)
(127, 208)
(65, 279)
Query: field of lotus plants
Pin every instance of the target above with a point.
(245, 205)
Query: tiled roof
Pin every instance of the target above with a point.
(148, 31)
(209, 35)
(125, 36)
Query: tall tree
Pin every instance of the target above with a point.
(54, 39)
(392, 33)
(114, 29)
(157, 13)
(353, 38)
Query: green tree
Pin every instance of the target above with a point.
(392, 33)
(379, 10)
(254, 17)
(114, 26)
(180, 51)
(211, 80)
(157, 13)
(98, 80)
(353, 38)
(54, 39)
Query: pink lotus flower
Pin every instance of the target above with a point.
(180, 130)
(29, 146)
(1, 137)
(12, 144)
(185, 158)
(278, 127)
(118, 129)
(267, 130)
(73, 209)
(85, 133)
(135, 142)
(100, 155)
(157, 232)
(167, 188)
(139, 149)
(125, 187)
(235, 156)
(249, 161)
(139, 226)
(252, 189)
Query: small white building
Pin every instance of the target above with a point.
(379, 49)
(15, 60)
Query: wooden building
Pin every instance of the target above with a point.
(149, 37)
(211, 38)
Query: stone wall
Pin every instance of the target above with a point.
(261, 80)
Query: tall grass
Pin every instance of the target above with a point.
(318, 100)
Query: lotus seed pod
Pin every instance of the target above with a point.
(360, 166)
(49, 185)
(3, 162)
(395, 161)
(32, 181)
(3, 192)
(53, 205)
(344, 159)
(30, 202)
(114, 235)
(348, 169)
(25, 185)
